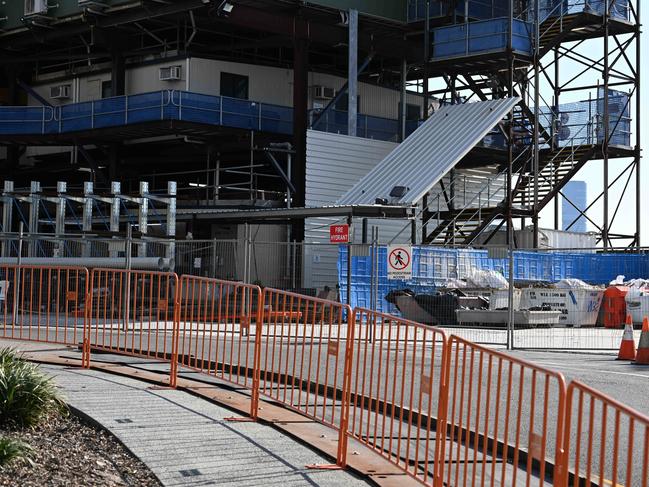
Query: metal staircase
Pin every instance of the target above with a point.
(449, 223)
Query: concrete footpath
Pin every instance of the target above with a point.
(185, 440)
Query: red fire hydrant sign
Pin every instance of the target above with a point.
(399, 262)
(339, 234)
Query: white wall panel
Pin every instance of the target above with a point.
(334, 164)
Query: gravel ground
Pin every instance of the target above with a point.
(68, 452)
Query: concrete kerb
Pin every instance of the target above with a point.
(307, 432)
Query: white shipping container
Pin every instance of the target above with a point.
(578, 306)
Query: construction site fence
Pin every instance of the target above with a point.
(442, 409)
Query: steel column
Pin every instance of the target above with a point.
(34, 211)
(352, 107)
(7, 215)
(143, 217)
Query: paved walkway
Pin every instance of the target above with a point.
(184, 439)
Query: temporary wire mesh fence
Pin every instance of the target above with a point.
(461, 290)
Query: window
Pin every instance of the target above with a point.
(106, 89)
(234, 86)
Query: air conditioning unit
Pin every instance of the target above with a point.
(35, 7)
(61, 92)
(323, 93)
(170, 73)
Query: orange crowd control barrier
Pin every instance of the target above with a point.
(219, 328)
(505, 418)
(44, 304)
(134, 313)
(305, 363)
(397, 391)
(443, 410)
(605, 442)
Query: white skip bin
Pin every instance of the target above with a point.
(638, 307)
(578, 306)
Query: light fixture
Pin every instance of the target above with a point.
(224, 9)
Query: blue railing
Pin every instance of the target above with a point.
(491, 9)
(476, 38)
(619, 9)
(336, 122)
(478, 9)
(181, 106)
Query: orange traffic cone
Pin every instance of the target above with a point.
(643, 348)
(627, 347)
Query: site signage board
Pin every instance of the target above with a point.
(399, 262)
(339, 234)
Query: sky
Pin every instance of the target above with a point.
(593, 172)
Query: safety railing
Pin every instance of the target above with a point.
(134, 313)
(398, 395)
(182, 106)
(605, 442)
(505, 418)
(305, 358)
(445, 411)
(219, 328)
(44, 304)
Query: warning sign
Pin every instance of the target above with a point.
(399, 262)
(339, 234)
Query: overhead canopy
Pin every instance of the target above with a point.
(421, 161)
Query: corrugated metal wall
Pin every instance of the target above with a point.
(334, 164)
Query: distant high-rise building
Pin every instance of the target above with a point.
(576, 192)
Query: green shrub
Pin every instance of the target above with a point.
(12, 449)
(26, 395)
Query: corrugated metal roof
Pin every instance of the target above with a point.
(429, 153)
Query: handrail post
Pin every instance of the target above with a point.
(256, 364)
(175, 334)
(343, 437)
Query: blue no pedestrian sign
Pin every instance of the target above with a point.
(399, 262)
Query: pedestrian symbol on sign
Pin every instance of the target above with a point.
(399, 262)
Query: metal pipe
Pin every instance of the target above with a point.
(143, 263)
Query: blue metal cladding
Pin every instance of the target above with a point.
(433, 267)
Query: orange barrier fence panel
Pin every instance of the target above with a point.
(218, 325)
(44, 304)
(303, 354)
(606, 443)
(397, 393)
(505, 419)
(133, 312)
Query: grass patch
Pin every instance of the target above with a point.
(26, 394)
(13, 449)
